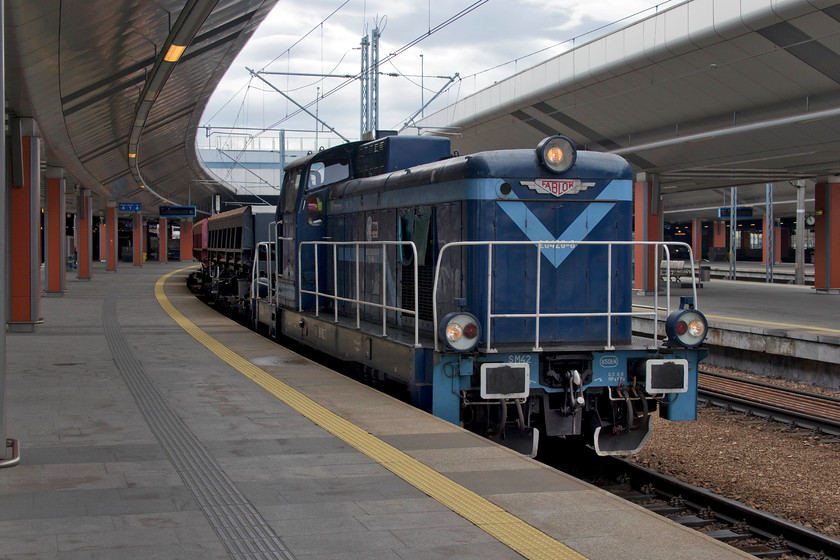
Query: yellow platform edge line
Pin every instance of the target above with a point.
(525, 539)
(738, 320)
(772, 324)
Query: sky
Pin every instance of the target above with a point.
(491, 41)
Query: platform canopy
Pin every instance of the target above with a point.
(116, 97)
(706, 94)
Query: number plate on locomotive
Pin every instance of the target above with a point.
(505, 381)
(666, 376)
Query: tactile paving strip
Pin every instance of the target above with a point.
(240, 527)
(525, 539)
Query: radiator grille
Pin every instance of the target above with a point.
(425, 276)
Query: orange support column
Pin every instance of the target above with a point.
(765, 239)
(717, 251)
(138, 239)
(54, 232)
(719, 235)
(648, 227)
(111, 233)
(697, 238)
(103, 239)
(827, 238)
(84, 236)
(163, 240)
(186, 239)
(24, 228)
(777, 242)
(74, 250)
(777, 231)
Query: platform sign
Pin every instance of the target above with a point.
(176, 211)
(741, 212)
(130, 207)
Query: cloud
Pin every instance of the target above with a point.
(575, 14)
(500, 34)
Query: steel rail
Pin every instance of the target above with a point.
(800, 539)
(806, 410)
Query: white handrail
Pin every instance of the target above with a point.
(272, 227)
(278, 250)
(255, 267)
(357, 301)
(538, 315)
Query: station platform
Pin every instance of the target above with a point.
(777, 329)
(152, 427)
(783, 273)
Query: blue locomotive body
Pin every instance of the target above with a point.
(495, 286)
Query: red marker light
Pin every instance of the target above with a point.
(471, 330)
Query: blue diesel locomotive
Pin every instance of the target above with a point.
(495, 286)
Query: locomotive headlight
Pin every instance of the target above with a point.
(557, 153)
(688, 327)
(460, 331)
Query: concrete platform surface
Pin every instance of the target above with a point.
(784, 307)
(139, 442)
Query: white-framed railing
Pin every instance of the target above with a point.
(358, 303)
(356, 300)
(255, 271)
(275, 240)
(537, 315)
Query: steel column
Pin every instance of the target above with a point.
(5, 447)
(769, 233)
(364, 120)
(733, 233)
(374, 86)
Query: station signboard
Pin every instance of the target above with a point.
(741, 212)
(176, 211)
(130, 207)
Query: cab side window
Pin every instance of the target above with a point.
(291, 185)
(316, 175)
(323, 173)
(327, 172)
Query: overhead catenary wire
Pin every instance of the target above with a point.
(305, 35)
(427, 33)
(286, 52)
(348, 78)
(452, 19)
(304, 109)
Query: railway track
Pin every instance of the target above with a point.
(801, 409)
(755, 532)
(760, 534)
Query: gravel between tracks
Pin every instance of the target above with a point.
(788, 473)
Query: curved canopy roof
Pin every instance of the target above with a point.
(115, 102)
(706, 94)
